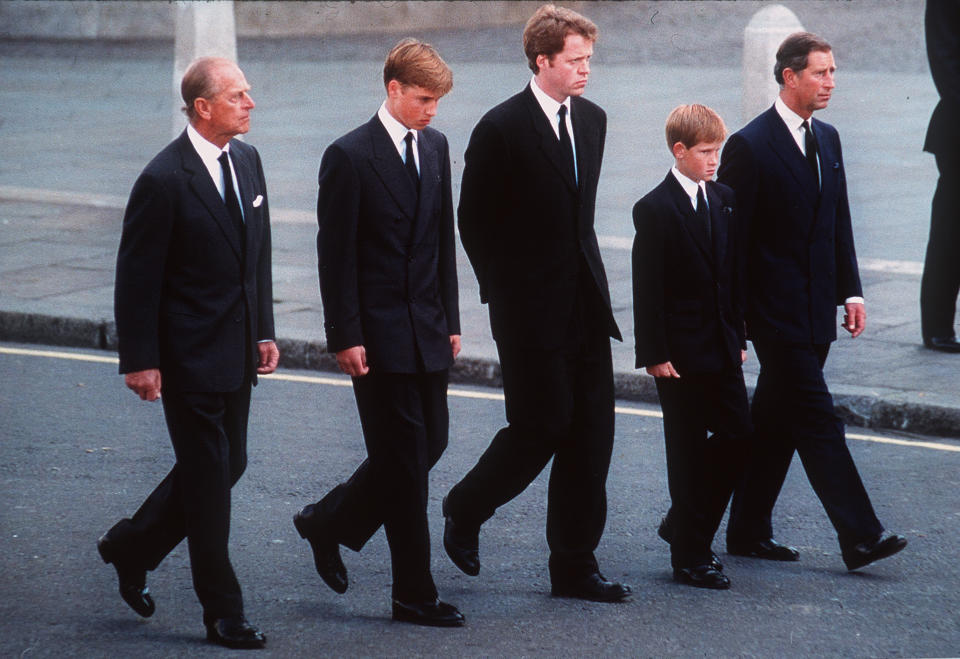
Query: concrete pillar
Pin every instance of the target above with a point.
(202, 29)
(761, 38)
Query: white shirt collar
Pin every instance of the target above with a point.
(549, 105)
(794, 123)
(689, 185)
(209, 152)
(395, 129)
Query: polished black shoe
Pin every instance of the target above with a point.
(133, 581)
(326, 557)
(942, 343)
(868, 552)
(430, 614)
(769, 549)
(665, 531)
(462, 545)
(235, 633)
(702, 576)
(593, 587)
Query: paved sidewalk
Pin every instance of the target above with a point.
(77, 123)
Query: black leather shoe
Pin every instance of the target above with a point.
(942, 343)
(665, 531)
(769, 549)
(431, 614)
(326, 557)
(702, 576)
(868, 552)
(235, 633)
(462, 545)
(133, 581)
(593, 587)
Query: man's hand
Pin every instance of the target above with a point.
(455, 344)
(743, 356)
(145, 384)
(353, 361)
(854, 318)
(664, 370)
(269, 357)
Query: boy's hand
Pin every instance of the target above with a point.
(664, 370)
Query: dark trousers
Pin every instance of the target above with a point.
(405, 423)
(706, 428)
(209, 436)
(941, 269)
(559, 404)
(793, 411)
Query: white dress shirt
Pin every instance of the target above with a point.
(209, 152)
(690, 187)
(398, 133)
(551, 108)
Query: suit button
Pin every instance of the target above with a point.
(237, 319)
(413, 300)
(410, 259)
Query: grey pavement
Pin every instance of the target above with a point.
(79, 120)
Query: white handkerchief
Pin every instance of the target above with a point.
(258, 201)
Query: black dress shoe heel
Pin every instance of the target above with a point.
(430, 614)
(326, 557)
(461, 544)
(132, 581)
(768, 549)
(865, 553)
(593, 587)
(942, 343)
(702, 576)
(235, 633)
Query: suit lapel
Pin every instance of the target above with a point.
(205, 189)
(829, 162)
(429, 175)
(691, 223)
(549, 143)
(389, 167)
(789, 153)
(718, 223)
(585, 142)
(248, 191)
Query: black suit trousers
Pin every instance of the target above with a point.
(209, 436)
(706, 426)
(559, 404)
(793, 411)
(405, 424)
(941, 269)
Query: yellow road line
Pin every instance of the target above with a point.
(459, 393)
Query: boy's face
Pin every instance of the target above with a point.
(699, 162)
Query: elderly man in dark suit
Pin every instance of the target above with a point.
(194, 313)
(786, 169)
(388, 279)
(526, 220)
(941, 269)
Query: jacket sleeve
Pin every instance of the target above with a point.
(848, 274)
(265, 326)
(649, 312)
(449, 290)
(338, 208)
(142, 257)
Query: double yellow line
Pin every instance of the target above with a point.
(343, 381)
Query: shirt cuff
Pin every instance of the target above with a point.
(853, 300)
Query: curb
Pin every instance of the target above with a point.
(877, 411)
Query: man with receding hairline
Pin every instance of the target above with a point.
(194, 312)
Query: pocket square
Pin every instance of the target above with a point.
(258, 201)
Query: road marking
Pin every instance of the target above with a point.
(344, 381)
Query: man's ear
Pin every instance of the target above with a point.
(679, 151)
(789, 78)
(202, 107)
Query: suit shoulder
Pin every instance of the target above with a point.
(722, 189)
(588, 108)
(435, 136)
(652, 203)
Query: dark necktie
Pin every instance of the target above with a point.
(810, 144)
(410, 162)
(565, 144)
(703, 213)
(230, 197)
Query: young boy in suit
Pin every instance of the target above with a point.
(689, 330)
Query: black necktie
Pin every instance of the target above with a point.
(230, 196)
(565, 144)
(703, 213)
(410, 162)
(810, 144)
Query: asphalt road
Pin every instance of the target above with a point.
(78, 451)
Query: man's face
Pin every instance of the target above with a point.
(227, 113)
(565, 74)
(812, 87)
(699, 162)
(412, 105)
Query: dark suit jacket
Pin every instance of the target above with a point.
(942, 24)
(388, 271)
(526, 225)
(801, 261)
(187, 301)
(687, 303)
